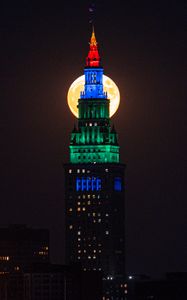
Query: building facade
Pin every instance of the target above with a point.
(94, 181)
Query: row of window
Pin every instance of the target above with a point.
(88, 184)
(84, 170)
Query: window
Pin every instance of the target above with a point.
(88, 184)
(117, 184)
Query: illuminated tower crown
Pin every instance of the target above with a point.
(94, 141)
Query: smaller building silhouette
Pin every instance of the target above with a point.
(51, 282)
(172, 287)
(21, 246)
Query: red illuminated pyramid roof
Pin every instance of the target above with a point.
(93, 58)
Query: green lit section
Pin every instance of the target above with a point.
(94, 140)
(94, 154)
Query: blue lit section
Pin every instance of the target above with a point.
(93, 87)
(88, 184)
(117, 184)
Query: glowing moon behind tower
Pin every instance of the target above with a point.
(109, 86)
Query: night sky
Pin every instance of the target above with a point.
(143, 45)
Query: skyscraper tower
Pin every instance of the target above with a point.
(94, 181)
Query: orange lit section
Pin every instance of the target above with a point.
(43, 252)
(4, 258)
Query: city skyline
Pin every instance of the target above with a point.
(145, 55)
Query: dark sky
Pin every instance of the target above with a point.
(143, 45)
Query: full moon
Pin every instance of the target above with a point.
(109, 86)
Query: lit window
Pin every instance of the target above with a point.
(41, 253)
(84, 251)
(79, 251)
(117, 184)
(70, 226)
(107, 232)
(94, 257)
(94, 251)
(106, 215)
(99, 220)
(79, 233)
(89, 202)
(93, 214)
(90, 124)
(83, 170)
(4, 257)
(83, 208)
(78, 257)
(89, 257)
(99, 214)
(88, 196)
(106, 170)
(78, 209)
(79, 239)
(70, 209)
(88, 184)
(78, 203)
(78, 170)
